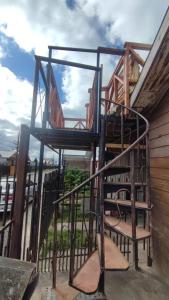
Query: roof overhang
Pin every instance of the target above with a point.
(154, 79)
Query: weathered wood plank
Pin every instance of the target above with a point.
(159, 173)
(158, 132)
(164, 108)
(159, 152)
(159, 196)
(159, 142)
(160, 184)
(160, 162)
(163, 119)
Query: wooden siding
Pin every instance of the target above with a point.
(159, 170)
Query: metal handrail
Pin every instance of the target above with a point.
(113, 160)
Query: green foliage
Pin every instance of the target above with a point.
(73, 177)
(63, 238)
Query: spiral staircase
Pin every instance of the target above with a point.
(117, 225)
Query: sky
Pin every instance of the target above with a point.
(27, 27)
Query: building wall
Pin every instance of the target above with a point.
(159, 168)
(77, 161)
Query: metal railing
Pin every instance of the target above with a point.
(93, 186)
(7, 194)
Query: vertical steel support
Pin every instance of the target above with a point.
(18, 212)
(100, 99)
(102, 258)
(96, 113)
(72, 239)
(40, 175)
(133, 211)
(148, 200)
(48, 84)
(138, 146)
(92, 199)
(122, 129)
(54, 268)
(126, 80)
(35, 92)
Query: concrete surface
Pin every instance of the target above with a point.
(136, 285)
(129, 285)
(15, 275)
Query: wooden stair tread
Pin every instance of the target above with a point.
(125, 228)
(123, 183)
(125, 146)
(127, 203)
(87, 278)
(114, 259)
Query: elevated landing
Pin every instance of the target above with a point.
(71, 139)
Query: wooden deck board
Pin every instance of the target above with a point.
(127, 203)
(125, 146)
(114, 259)
(125, 228)
(127, 183)
(64, 138)
(87, 278)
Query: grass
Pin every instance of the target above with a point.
(63, 238)
(66, 213)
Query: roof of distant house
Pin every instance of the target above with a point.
(7, 154)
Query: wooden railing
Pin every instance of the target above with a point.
(75, 123)
(56, 118)
(90, 107)
(125, 76)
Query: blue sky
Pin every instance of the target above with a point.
(28, 27)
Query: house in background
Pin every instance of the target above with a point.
(81, 162)
(8, 160)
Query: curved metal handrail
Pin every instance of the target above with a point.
(113, 160)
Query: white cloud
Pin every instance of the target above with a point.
(130, 20)
(36, 24)
(15, 96)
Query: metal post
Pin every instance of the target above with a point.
(133, 211)
(99, 98)
(126, 80)
(96, 128)
(18, 213)
(122, 129)
(101, 212)
(40, 179)
(35, 92)
(54, 268)
(92, 199)
(72, 238)
(148, 200)
(138, 146)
